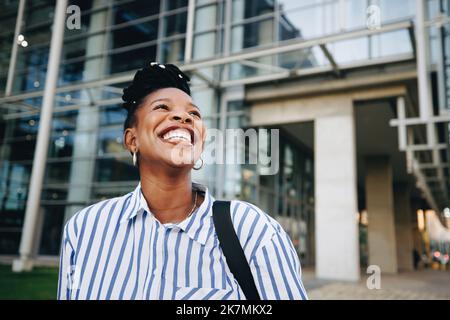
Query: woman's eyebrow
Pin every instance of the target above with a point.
(195, 106)
(168, 100)
(161, 99)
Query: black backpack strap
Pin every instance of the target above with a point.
(232, 249)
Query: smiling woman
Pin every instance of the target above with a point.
(160, 241)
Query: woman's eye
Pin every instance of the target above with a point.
(161, 106)
(195, 113)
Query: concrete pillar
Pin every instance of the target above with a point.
(85, 143)
(337, 236)
(403, 227)
(25, 261)
(380, 210)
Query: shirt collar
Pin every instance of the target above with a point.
(198, 226)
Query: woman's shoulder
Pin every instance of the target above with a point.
(88, 215)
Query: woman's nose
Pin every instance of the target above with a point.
(182, 117)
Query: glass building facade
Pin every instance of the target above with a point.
(86, 160)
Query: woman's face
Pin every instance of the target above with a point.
(168, 129)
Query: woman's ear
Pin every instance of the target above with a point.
(130, 140)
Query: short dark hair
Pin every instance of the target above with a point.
(147, 80)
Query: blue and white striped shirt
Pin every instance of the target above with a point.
(116, 249)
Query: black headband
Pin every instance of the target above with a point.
(151, 78)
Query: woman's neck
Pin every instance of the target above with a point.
(168, 194)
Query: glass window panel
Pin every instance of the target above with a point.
(22, 150)
(175, 24)
(110, 141)
(38, 14)
(175, 4)
(15, 179)
(304, 58)
(112, 115)
(107, 191)
(392, 43)
(244, 9)
(294, 4)
(200, 2)
(115, 169)
(254, 67)
(74, 49)
(5, 53)
(206, 101)
(7, 23)
(206, 45)
(58, 172)
(137, 33)
(38, 36)
(396, 9)
(252, 34)
(310, 22)
(10, 238)
(85, 4)
(74, 71)
(355, 14)
(350, 50)
(131, 60)
(206, 18)
(133, 10)
(173, 51)
(2, 83)
(51, 230)
(61, 145)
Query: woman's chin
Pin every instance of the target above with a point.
(180, 166)
(181, 161)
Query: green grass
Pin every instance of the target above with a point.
(41, 283)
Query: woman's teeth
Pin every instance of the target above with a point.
(178, 134)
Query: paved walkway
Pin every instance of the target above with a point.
(418, 285)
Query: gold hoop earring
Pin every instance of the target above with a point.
(135, 158)
(201, 166)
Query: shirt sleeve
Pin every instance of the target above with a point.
(277, 271)
(66, 267)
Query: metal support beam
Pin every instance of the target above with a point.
(416, 121)
(330, 58)
(412, 38)
(37, 175)
(423, 83)
(422, 184)
(14, 49)
(210, 82)
(259, 65)
(189, 31)
(401, 129)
